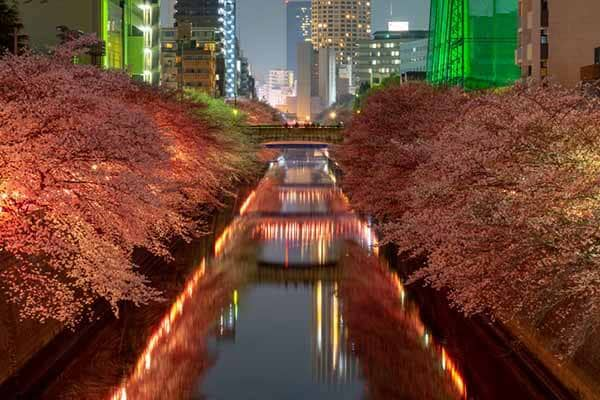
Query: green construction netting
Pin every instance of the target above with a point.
(472, 43)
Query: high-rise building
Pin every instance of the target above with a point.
(473, 44)
(229, 45)
(201, 13)
(220, 14)
(298, 29)
(559, 39)
(128, 28)
(327, 77)
(401, 53)
(305, 81)
(340, 24)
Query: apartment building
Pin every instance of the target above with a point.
(340, 24)
(559, 39)
(191, 63)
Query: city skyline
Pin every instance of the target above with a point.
(271, 53)
(262, 30)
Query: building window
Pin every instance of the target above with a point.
(597, 55)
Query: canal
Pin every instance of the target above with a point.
(293, 300)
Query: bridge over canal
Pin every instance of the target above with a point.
(270, 133)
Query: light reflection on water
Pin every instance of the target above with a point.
(282, 332)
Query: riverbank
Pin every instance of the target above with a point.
(40, 373)
(85, 186)
(500, 203)
(331, 317)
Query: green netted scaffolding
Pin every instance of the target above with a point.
(472, 43)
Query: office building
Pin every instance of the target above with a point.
(305, 79)
(280, 87)
(298, 29)
(128, 28)
(219, 14)
(402, 53)
(201, 13)
(327, 76)
(198, 68)
(559, 39)
(340, 25)
(229, 45)
(472, 44)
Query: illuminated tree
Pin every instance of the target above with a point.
(504, 205)
(93, 166)
(388, 139)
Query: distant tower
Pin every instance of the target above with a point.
(298, 29)
(340, 24)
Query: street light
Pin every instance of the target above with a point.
(332, 115)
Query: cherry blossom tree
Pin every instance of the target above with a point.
(388, 139)
(505, 206)
(93, 166)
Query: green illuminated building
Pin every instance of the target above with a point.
(472, 43)
(129, 29)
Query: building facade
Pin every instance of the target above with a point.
(340, 24)
(220, 15)
(559, 39)
(473, 43)
(389, 53)
(280, 86)
(128, 28)
(229, 45)
(246, 83)
(327, 77)
(304, 88)
(201, 13)
(190, 64)
(298, 29)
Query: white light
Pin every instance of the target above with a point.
(398, 26)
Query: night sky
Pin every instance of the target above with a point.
(262, 27)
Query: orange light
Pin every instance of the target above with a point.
(144, 362)
(247, 202)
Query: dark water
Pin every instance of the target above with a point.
(294, 302)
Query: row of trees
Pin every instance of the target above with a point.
(93, 166)
(500, 191)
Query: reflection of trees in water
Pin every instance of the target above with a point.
(153, 352)
(395, 359)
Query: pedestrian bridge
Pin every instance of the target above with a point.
(271, 133)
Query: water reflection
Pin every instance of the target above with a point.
(298, 216)
(302, 304)
(333, 357)
(294, 303)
